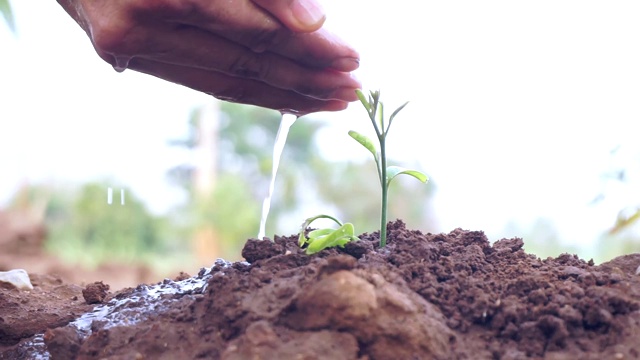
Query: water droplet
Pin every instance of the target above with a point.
(122, 62)
(281, 138)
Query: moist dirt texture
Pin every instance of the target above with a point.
(423, 296)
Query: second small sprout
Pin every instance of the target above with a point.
(321, 239)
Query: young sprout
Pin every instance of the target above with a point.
(321, 239)
(375, 109)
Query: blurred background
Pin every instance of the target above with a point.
(524, 115)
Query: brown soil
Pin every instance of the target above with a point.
(424, 296)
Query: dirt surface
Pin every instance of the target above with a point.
(424, 296)
(50, 304)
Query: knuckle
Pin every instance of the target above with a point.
(110, 35)
(252, 66)
(266, 38)
(120, 30)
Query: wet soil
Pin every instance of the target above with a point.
(424, 296)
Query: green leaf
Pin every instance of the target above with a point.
(625, 222)
(363, 100)
(381, 118)
(5, 10)
(302, 239)
(397, 111)
(318, 233)
(375, 95)
(338, 237)
(393, 171)
(394, 115)
(364, 141)
(374, 100)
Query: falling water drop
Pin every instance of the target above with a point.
(281, 138)
(121, 63)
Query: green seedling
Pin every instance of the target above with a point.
(321, 239)
(375, 109)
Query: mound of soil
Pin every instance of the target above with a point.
(424, 296)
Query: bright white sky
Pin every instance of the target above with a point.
(514, 106)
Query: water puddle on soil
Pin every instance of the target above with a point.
(281, 138)
(131, 308)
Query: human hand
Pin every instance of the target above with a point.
(270, 53)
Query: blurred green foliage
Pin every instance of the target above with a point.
(231, 211)
(623, 237)
(120, 231)
(7, 14)
(83, 228)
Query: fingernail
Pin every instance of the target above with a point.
(346, 64)
(308, 12)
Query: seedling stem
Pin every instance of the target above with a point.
(375, 109)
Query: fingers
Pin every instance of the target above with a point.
(296, 15)
(235, 89)
(209, 52)
(320, 49)
(217, 45)
(119, 29)
(253, 27)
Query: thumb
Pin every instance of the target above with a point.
(297, 15)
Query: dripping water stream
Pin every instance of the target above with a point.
(281, 138)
